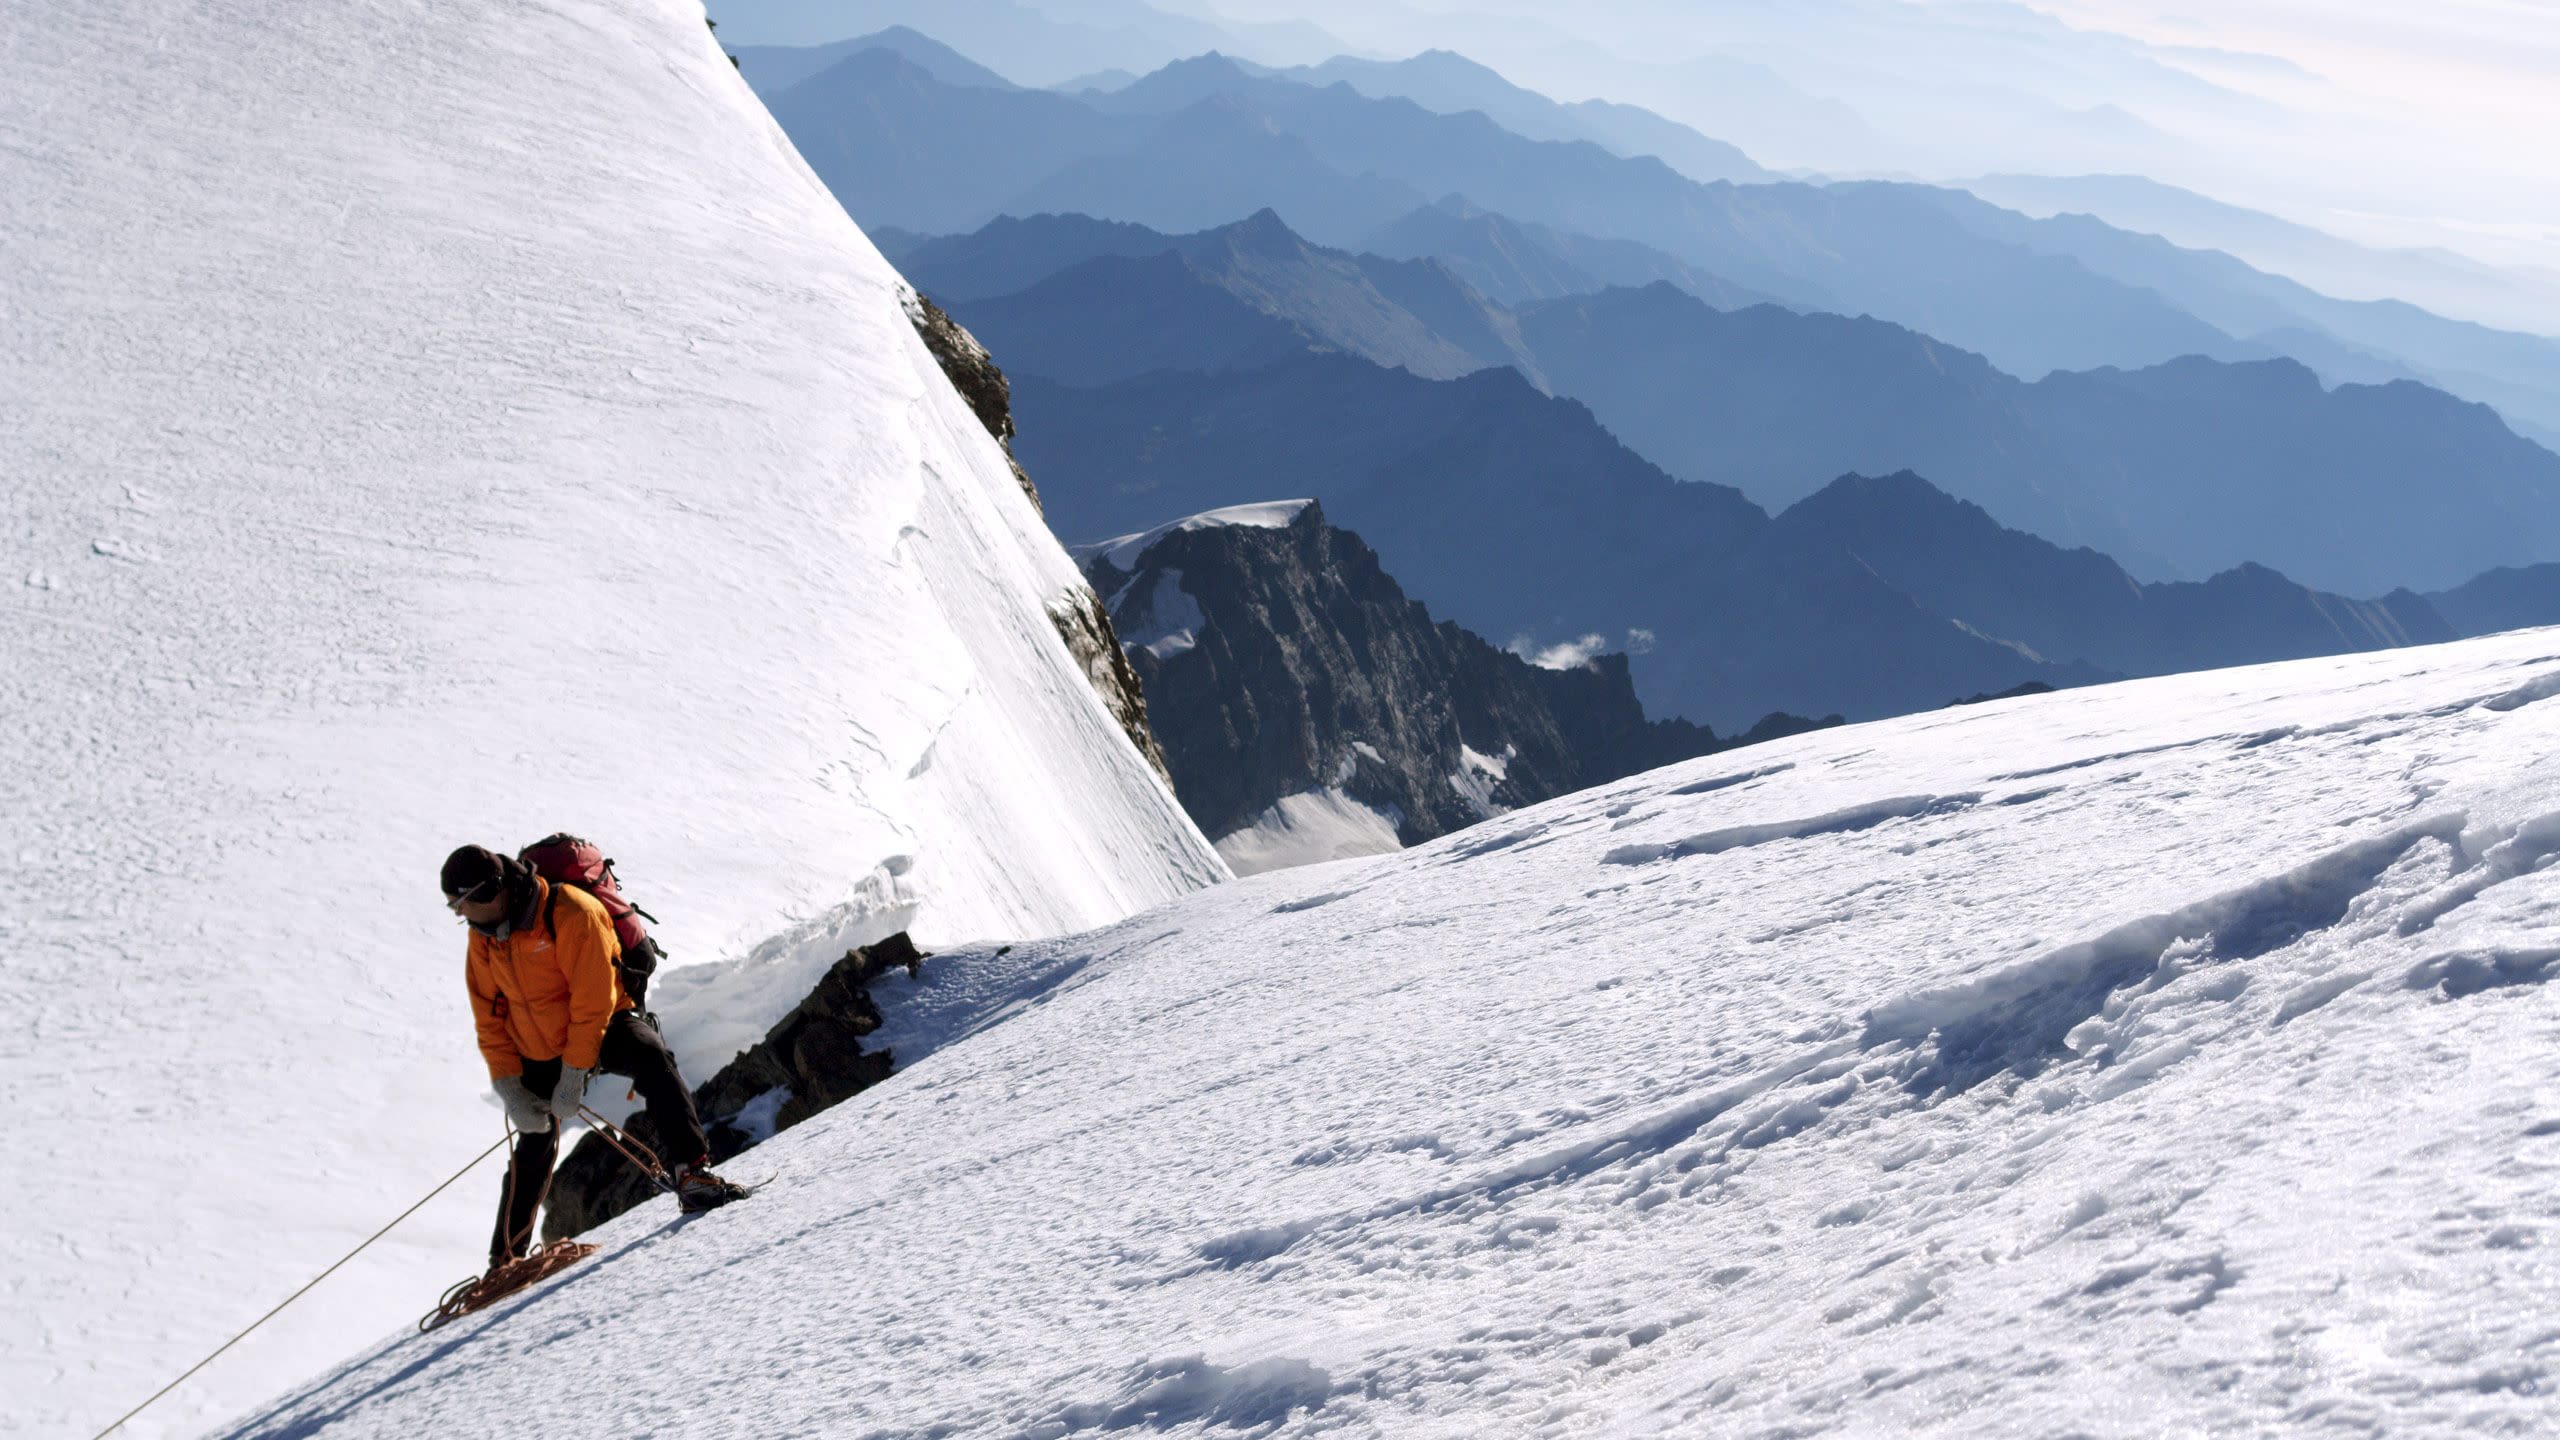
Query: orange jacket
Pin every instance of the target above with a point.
(546, 991)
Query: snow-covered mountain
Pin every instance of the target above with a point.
(445, 423)
(1310, 711)
(2164, 1058)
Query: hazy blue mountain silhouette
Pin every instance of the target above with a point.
(2514, 598)
(1015, 252)
(2442, 281)
(1518, 516)
(1777, 404)
(1959, 562)
(1499, 258)
(901, 148)
(2360, 488)
(2180, 471)
(2183, 470)
(1516, 263)
(1449, 84)
(1891, 251)
(1035, 44)
(772, 69)
(2371, 341)
(2032, 296)
(1338, 165)
(1210, 162)
(1237, 296)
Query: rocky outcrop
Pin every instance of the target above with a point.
(1085, 626)
(972, 372)
(809, 1061)
(1286, 668)
(1082, 622)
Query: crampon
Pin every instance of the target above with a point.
(482, 1291)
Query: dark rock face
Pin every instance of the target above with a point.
(809, 1061)
(1282, 660)
(973, 373)
(1083, 625)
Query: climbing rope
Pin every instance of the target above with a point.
(499, 1282)
(506, 1277)
(306, 1289)
(651, 1168)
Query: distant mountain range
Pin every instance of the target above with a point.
(2183, 470)
(1203, 141)
(1124, 300)
(1451, 84)
(1033, 44)
(2507, 599)
(1516, 263)
(1234, 361)
(2452, 285)
(1309, 710)
(1516, 515)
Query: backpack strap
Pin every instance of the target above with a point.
(616, 882)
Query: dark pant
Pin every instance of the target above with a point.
(630, 1048)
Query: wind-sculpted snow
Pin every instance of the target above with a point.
(2201, 1086)
(431, 423)
(1838, 822)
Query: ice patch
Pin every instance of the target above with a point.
(1172, 622)
(1478, 776)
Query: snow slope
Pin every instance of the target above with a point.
(432, 423)
(2165, 1058)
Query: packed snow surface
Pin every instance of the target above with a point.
(1123, 552)
(445, 422)
(2169, 1058)
(1310, 828)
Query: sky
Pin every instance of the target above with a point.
(2388, 122)
(2441, 114)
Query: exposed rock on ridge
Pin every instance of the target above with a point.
(808, 1061)
(973, 373)
(1284, 661)
(1082, 622)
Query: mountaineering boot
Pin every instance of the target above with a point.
(697, 1189)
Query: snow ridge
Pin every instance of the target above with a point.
(444, 423)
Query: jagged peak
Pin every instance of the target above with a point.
(1262, 232)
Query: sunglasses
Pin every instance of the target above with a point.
(480, 894)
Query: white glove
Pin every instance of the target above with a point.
(572, 1089)
(523, 1110)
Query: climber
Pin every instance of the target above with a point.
(550, 1007)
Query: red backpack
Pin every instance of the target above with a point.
(565, 859)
